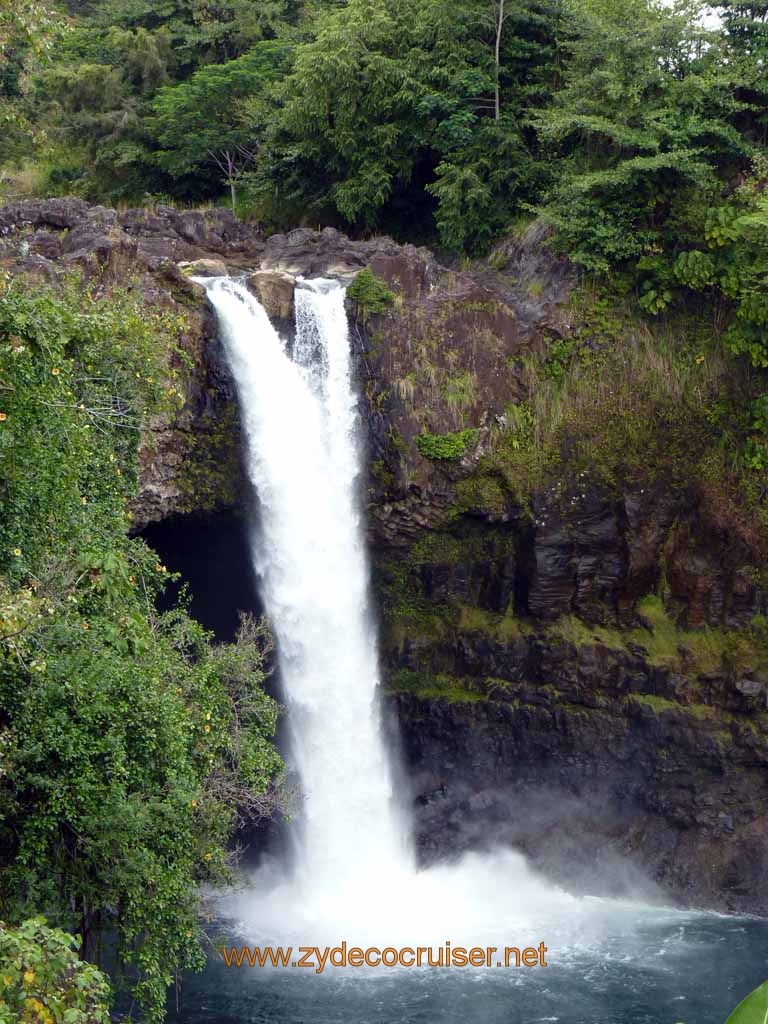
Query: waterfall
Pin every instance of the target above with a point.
(300, 423)
(353, 876)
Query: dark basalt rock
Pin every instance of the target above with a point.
(662, 789)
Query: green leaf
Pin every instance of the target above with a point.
(753, 1009)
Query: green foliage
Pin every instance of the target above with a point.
(642, 124)
(753, 1009)
(621, 123)
(203, 121)
(731, 264)
(756, 448)
(370, 294)
(128, 742)
(559, 355)
(42, 981)
(445, 446)
(386, 110)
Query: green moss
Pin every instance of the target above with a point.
(434, 687)
(497, 627)
(582, 634)
(658, 704)
(210, 462)
(445, 446)
(667, 646)
(481, 494)
(407, 612)
(383, 476)
(701, 712)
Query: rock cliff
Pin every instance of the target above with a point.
(574, 647)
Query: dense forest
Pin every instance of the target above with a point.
(636, 132)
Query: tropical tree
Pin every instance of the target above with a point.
(642, 129)
(202, 123)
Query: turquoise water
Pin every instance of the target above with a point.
(690, 968)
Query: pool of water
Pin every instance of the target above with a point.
(661, 967)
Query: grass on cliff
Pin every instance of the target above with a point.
(625, 399)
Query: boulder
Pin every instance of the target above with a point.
(275, 290)
(204, 268)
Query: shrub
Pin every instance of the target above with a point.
(445, 446)
(129, 744)
(43, 981)
(370, 293)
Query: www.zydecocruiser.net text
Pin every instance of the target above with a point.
(319, 958)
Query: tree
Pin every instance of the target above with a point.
(43, 980)
(746, 27)
(641, 126)
(201, 122)
(200, 33)
(129, 743)
(389, 108)
(500, 16)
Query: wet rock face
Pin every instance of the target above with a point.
(275, 291)
(593, 795)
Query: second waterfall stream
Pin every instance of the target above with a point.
(353, 875)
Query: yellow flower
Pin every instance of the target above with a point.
(29, 977)
(3, 417)
(207, 728)
(208, 856)
(189, 933)
(699, 360)
(208, 717)
(83, 500)
(131, 579)
(86, 626)
(55, 371)
(17, 552)
(194, 803)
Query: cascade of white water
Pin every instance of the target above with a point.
(354, 875)
(299, 416)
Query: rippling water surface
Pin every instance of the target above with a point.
(690, 968)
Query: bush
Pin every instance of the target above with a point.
(445, 446)
(43, 981)
(370, 293)
(129, 744)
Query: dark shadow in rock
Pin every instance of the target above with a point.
(212, 555)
